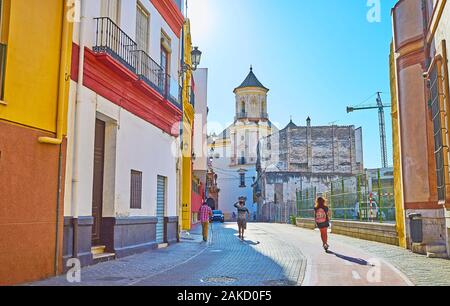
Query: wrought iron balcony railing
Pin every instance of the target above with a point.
(172, 91)
(149, 71)
(109, 38)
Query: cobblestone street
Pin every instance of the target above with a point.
(272, 254)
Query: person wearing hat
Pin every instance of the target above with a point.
(243, 214)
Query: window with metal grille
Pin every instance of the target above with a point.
(436, 115)
(242, 180)
(136, 190)
(142, 28)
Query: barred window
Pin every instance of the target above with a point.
(136, 190)
(435, 102)
(242, 180)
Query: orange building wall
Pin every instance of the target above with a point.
(418, 165)
(28, 189)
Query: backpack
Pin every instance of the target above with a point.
(321, 216)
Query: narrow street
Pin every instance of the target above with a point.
(272, 255)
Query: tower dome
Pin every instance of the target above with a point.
(251, 81)
(251, 99)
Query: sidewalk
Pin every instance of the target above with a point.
(133, 269)
(422, 271)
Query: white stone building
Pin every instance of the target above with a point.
(235, 149)
(200, 141)
(123, 139)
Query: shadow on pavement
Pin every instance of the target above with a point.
(358, 261)
(249, 242)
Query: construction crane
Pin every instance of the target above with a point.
(380, 106)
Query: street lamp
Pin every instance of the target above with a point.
(196, 55)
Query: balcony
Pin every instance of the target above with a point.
(110, 39)
(149, 71)
(172, 91)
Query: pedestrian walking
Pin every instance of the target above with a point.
(322, 218)
(205, 213)
(242, 215)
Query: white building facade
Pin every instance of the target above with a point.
(200, 141)
(235, 149)
(122, 188)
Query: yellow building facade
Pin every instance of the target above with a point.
(188, 123)
(398, 188)
(35, 60)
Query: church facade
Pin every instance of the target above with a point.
(304, 158)
(235, 149)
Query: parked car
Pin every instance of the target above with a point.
(368, 211)
(218, 216)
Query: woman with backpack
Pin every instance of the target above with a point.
(322, 217)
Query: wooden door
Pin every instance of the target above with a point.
(97, 190)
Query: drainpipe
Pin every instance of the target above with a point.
(64, 77)
(67, 30)
(77, 132)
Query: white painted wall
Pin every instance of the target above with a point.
(228, 181)
(145, 148)
(131, 143)
(200, 120)
(224, 164)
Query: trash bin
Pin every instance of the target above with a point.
(415, 226)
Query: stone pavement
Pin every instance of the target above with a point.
(129, 270)
(344, 265)
(422, 271)
(272, 254)
(263, 259)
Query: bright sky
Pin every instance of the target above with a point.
(316, 57)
